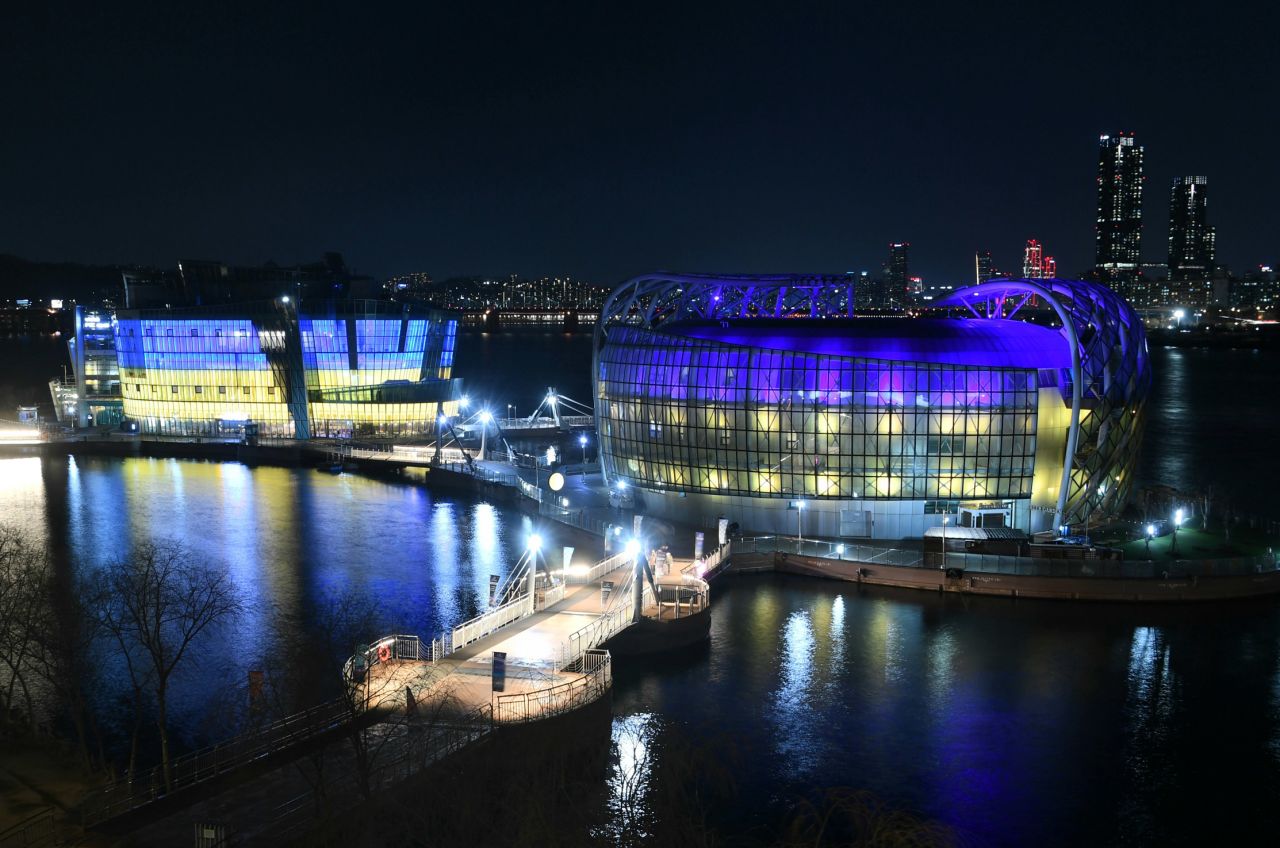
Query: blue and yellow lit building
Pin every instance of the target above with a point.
(328, 369)
(769, 401)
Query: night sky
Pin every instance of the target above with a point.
(604, 140)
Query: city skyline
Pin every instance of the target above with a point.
(465, 150)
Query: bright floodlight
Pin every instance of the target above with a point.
(443, 420)
(1179, 314)
(464, 402)
(535, 543)
(840, 550)
(617, 531)
(582, 440)
(486, 417)
(1151, 529)
(551, 399)
(799, 504)
(564, 502)
(284, 299)
(622, 485)
(633, 548)
(1177, 518)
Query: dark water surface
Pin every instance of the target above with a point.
(1013, 723)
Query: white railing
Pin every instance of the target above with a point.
(597, 677)
(708, 563)
(552, 595)
(530, 490)
(599, 570)
(485, 623)
(397, 647)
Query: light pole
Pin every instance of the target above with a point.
(582, 442)
(1151, 531)
(1177, 522)
(486, 418)
(799, 525)
(534, 545)
(946, 519)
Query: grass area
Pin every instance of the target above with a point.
(1200, 544)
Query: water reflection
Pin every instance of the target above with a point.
(290, 539)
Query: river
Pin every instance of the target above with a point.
(1010, 723)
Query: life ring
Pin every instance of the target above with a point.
(384, 653)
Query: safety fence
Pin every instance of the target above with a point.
(485, 623)
(829, 550)
(1124, 569)
(384, 649)
(599, 570)
(207, 763)
(596, 669)
(681, 600)
(410, 746)
(710, 563)
(38, 830)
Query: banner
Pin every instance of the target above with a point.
(568, 558)
(699, 539)
(723, 525)
(499, 670)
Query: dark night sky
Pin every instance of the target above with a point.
(603, 140)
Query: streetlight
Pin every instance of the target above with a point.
(534, 545)
(464, 402)
(799, 525)
(1177, 522)
(582, 442)
(840, 551)
(946, 519)
(486, 418)
(1151, 531)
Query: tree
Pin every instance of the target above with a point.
(159, 601)
(24, 583)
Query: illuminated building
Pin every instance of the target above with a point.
(1191, 239)
(92, 396)
(1035, 265)
(984, 268)
(745, 397)
(896, 276)
(329, 369)
(1118, 229)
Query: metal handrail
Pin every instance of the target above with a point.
(521, 707)
(600, 569)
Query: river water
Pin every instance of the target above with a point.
(1011, 723)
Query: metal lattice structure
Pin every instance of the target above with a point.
(1108, 382)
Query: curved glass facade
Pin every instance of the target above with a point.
(691, 415)
(351, 369)
(740, 392)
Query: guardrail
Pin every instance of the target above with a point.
(709, 563)
(520, 707)
(1124, 569)
(398, 647)
(38, 830)
(600, 569)
(485, 623)
(830, 550)
(198, 766)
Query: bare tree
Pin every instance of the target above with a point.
(24, 582)
(160, 601)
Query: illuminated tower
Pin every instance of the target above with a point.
(1033, 260)
(984, 269)
(1191, 239)
(1119, 221)
(895, 274)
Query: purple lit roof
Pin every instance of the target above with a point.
(1014, 344)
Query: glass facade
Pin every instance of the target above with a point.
(691, 415)
(361, 368)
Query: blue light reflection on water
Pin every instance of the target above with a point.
(1014, 723)
(289, 538)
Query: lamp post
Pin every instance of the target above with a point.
(534, 545)
(486, 418)
(799, 525)
(1151, 531)
(946, 519)
(637, 581)
(582, 442)
(1177, 522)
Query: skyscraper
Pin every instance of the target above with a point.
(983, 267)
(1191, 239)
(1119, 222)
(895, 275)
(1033, 260)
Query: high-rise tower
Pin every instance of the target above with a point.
(1119, 221)
(895, 275)
(983, 268)
(1191, 239)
